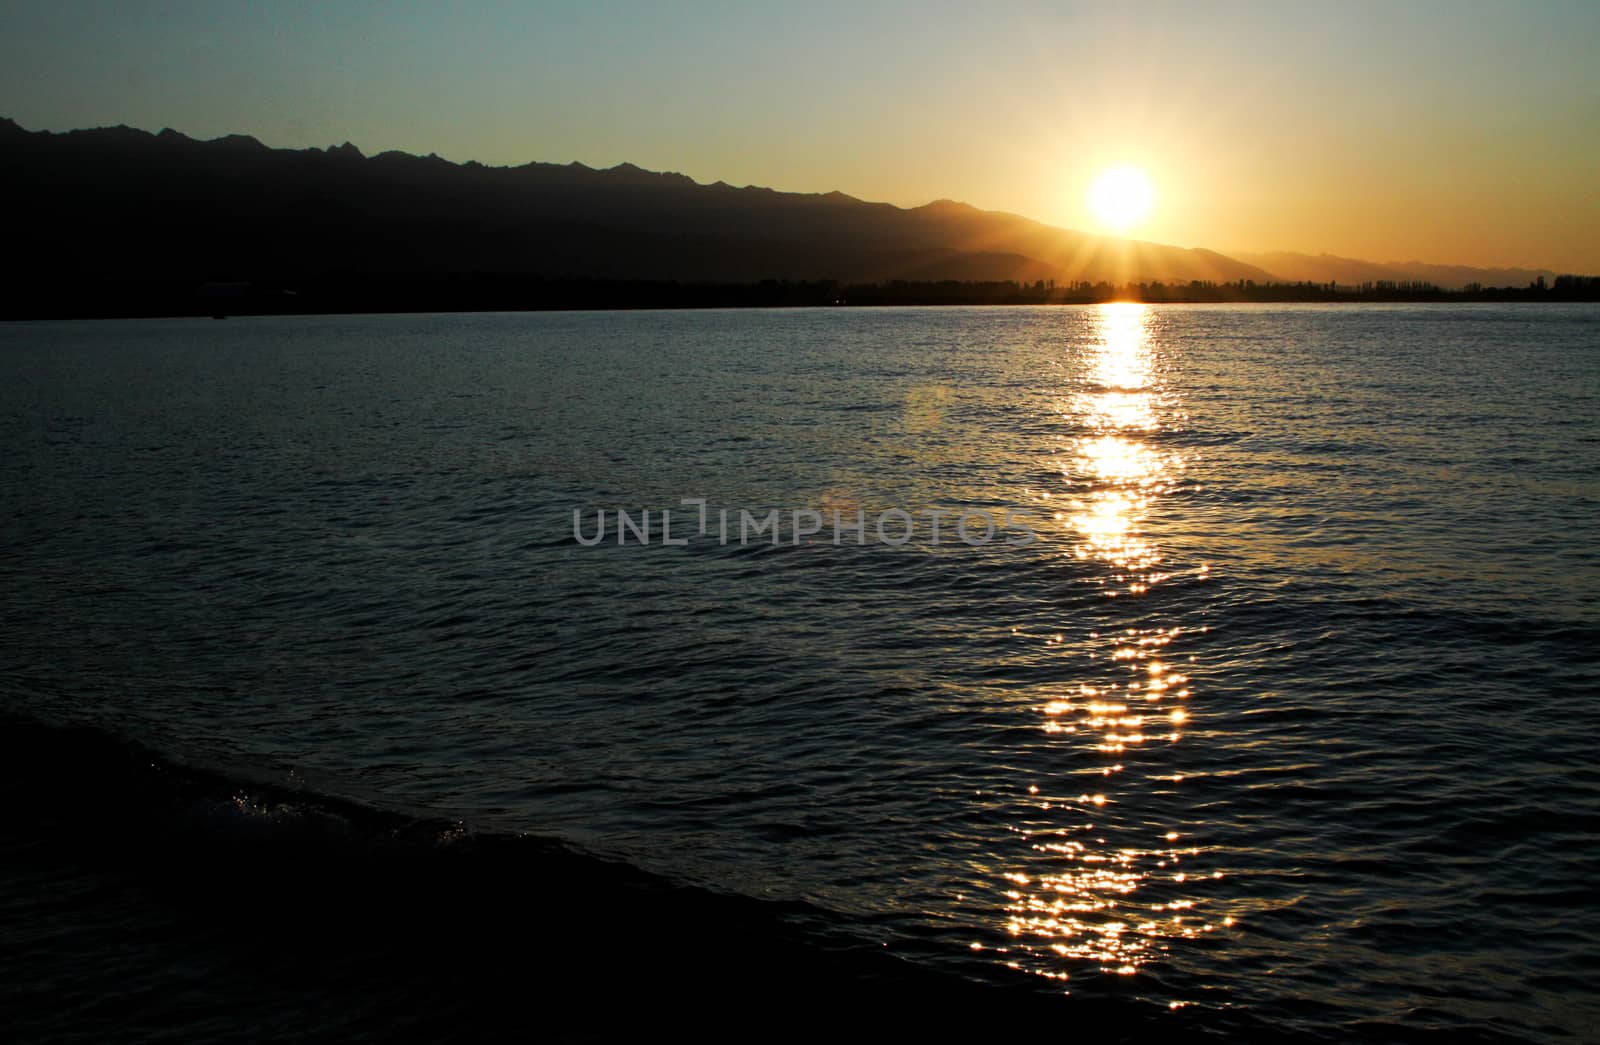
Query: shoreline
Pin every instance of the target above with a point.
(481, 292)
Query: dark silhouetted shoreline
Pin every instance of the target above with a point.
(481, 292)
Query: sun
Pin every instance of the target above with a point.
(1121, 197)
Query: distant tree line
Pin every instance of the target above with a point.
(1563, 288)
(486, 291)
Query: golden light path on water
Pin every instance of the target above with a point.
(1089, 897)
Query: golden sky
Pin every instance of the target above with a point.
(1458, 133)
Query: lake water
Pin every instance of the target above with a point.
(1283, 722)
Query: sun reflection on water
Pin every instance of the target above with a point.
(1099, 893)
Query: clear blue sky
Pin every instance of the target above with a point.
(1446, 132)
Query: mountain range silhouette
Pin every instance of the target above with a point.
(120, 203)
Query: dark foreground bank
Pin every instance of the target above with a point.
(147, 901)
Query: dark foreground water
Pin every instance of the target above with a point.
(1283, 724)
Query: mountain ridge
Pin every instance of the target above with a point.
(1295, 267)
(114, 199)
